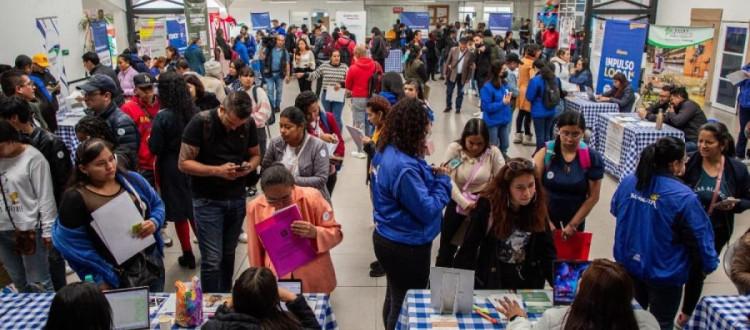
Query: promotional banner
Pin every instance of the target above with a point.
(101, 42)
(679, 55)
(354, 22)
(196, 14)
(48, 27)
(499, 23)
(416, 20)
(260, 21)
(153, 37)
(622, 51)
(176, 35)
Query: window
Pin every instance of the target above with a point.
(496, 9)
(464, 11)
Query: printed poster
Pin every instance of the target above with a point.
(499, 23)
(354, 22)
(101, 41)
(48, 28)
(196, 14)
(622, 52)
(260, 21)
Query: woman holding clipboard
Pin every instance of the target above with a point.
(317, 224)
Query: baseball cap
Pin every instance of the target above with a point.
(512, 57)
(99, 82)
(40, 59)
(143, 80)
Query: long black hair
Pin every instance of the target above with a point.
(256, 293)
(414, 52)
(656, 159)
(86, 153)
(475, 126)
(174, 96)
(79, 306)
(295, 115)
(721, 133)
(392, 82)
(545, 70)
(498, 74)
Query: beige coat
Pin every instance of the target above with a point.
(450, 68)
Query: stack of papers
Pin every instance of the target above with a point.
(114, 221)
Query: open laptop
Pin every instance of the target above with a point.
(590, 94)
(567, 276)
(129, 308)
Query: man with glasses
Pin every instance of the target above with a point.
(97, 94)
(661, 106)
(142, 108)
(15, 82)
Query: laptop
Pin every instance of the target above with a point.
(567, 276)
(129, 308)
(590, 94)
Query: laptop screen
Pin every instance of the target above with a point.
(129, 308)
(567, 276)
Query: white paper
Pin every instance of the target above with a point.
(356, 135)
(736, 77)
(459, 289)
(331, 148)
(613, 142)
(333, 95)
(115, 221)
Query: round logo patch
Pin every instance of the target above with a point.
(323, 153)
(550, 175)
(326, 216)
(120, 131)
(60, 155)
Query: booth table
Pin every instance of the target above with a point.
(393, 61)
(67, 133)
(590, 109)
(620, 138)
(721, 312)
(29, 310)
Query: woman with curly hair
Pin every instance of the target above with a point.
(408, 197)
(164, 143)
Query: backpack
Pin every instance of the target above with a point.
(552, 96)
(272, 118)
(374, 84)
(584, 156)
(383, 51)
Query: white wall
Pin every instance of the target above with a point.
(20, 35)
(677, 12)
(240, 10)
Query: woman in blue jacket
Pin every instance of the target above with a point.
(661, 229)
(541, 114)
(581, 75)
(408, 197)
(496, 111)
(97, 181)
(194, 56)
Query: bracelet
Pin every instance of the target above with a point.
(512, 318)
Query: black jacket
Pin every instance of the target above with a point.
(737, 180)
(56, 154)
(479, 252)
(226, 319)
(125, 132)
(625, 101)
(379, 48)
(687, 117)
(654, 109)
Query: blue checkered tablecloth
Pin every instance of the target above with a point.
(393, 61)
(589, 109)
(635, 139)
(721, 312)
(68, 135)
(29, 311)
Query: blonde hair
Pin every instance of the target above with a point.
(360, 51)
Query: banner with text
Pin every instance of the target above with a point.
(176, 34)
(499, 23)
(196, 15)
(260, 21)
(416, 20)
(48, 28)
(101, 42)
(354, 22)
(153, 37)
(622, 51)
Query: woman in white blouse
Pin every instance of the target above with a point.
(473, 162)
(304, 62)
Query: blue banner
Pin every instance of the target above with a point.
(416, 20)
(499, 23)
(101, 41)
(260, 21)
(176, 35)
(622, 51)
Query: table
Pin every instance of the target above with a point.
(29, 311)
(393, 61)
(416, 311)
(721, 312)
(590, 109)
(636, 136)
(66, 130)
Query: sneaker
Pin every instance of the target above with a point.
(518, 138)
(458, 110)
(528, 140)
(360, 155)
(187, 260)
(374, 264)
(447, 110)
(477, 114)
(243, 238)
(377, 271)
(166, 238)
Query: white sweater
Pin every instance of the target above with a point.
(554, 319)
(307, 61)
(27, 189)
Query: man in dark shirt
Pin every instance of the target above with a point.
(219, 149)
(93, 66)
(685, 115)
(661, 106)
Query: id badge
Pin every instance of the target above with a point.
(454, 163)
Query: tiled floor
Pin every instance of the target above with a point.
(357, 302)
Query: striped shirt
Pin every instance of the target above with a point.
(332, 75)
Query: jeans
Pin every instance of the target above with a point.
(543, 129)
(523, 122)
(500, 137)
(337, 108)
(661, 301)
(549, 53)
(741, 138)
(218, 224)
(275, 87)
(460, 93)
(29, 273)
(359, 116)
(406, 267)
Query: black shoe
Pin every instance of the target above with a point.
(374, 264)
(187, 260)
(458, 110)
(377, 271)
(447, 110)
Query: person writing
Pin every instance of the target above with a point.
(654, 201)
(473, 162)
(97, 181)
(508, 242)
(322, 125)
(621, 94)
(318, 224)
(571, 174)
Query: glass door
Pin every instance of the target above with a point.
(730, 58)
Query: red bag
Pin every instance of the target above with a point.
(576, 247)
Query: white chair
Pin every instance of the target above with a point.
(637, 100)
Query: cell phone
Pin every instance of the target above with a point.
(293, 285)
(243, 167)
(728, 201)
(454, 163)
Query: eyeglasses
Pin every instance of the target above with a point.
(520, 164)
(572, 135)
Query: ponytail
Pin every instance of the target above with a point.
(656, 158)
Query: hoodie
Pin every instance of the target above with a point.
(358, 78)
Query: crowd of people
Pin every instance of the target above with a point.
(187, 141)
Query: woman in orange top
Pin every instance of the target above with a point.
(525, 73)
(317, 224)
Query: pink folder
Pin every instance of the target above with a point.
(286, 250)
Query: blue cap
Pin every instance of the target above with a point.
(99, 82)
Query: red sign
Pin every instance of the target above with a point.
(398, 10)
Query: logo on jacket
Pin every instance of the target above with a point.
(13, 197)
(650, 201)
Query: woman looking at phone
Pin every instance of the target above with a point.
(721, 182)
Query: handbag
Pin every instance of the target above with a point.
(464, 192)
(24, 241)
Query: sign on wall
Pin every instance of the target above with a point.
(48, 27)
(260, 21)
(101, 41)
(355, 23)
(499, 23)
(153, 35)
(177, 35)
(196, 14)
(416, 20)
(622, 52)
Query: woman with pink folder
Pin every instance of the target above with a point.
(317, 224)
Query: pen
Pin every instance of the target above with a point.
(483, 310)
(485, 316)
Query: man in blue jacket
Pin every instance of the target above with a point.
(194, 56)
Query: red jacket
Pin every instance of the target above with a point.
(358, 77)
(142, 116)
(550, 38)
(330, 127)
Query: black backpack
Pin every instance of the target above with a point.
(552, 95)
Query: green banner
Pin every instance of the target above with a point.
(671, 37)
(196, 16)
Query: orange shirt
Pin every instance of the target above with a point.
(525, 73)
(318, 275)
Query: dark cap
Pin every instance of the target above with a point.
(99, 82)
(512, 57)
(143, 80)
